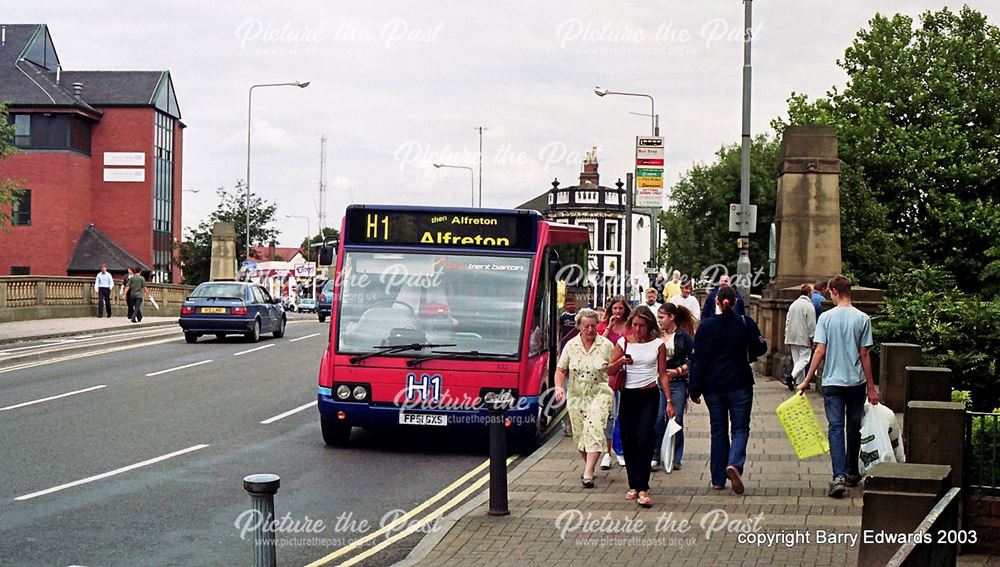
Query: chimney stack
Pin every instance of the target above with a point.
(77, 90)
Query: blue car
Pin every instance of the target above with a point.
(231, 308)
(324, 301)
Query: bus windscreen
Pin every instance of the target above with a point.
(474, 302)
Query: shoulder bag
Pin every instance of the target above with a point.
(617, 382)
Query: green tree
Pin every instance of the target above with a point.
(328, 234)
(696, 224)
(919, 126)
(195, 253)
(9, 188)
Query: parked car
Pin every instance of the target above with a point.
(307, 305)
(324, 300)
(230, 308)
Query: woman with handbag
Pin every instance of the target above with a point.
(613, 327)
(724, 346)
(676, 325)
(643, 356)
(583, 364)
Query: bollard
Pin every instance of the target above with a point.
(497, 403)
(261, 488)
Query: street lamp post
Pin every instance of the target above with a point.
(308, 224)
(472, 179)
(249, 114)
(652, 106)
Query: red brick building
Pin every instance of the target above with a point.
(100, 159)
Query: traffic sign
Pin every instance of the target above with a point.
(250, 265)
(738, 215)
(649, 172)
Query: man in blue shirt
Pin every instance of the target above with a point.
(818, 295)
(711, 308)
(103, 284)
(843, 339)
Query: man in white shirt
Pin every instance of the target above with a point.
(651, 302)
(103, 285)
(800, 327)
(685, 299)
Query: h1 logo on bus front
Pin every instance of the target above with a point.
(426, 388)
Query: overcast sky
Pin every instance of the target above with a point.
(397, 86)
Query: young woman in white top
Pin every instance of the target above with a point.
(644, 356)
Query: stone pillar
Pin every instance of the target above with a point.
(928, 384)
(223, 252)
(894, 359)
(934, 434)
(897, 497)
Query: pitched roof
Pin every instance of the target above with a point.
(95, 248)
(116, 87)
(263, 253)
(539, 203)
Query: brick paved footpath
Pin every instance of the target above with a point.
(783, 495)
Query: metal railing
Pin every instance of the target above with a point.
(982, 467)
(936, 547)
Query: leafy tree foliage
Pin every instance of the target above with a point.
(696, 223)
(195, 253)
(9, 189)
(328, 234)
(919, 126)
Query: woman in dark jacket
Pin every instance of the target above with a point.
(720, 369)
(676, 325)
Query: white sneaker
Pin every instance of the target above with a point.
(606, 461)
(621, 460)
(654, 465)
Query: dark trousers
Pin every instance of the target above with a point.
(637, 422)
(728, 410)
(137, 308)
(128, 304)
(103, 301)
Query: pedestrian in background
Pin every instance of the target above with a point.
(137, 289)
(686, 299)
(103, 284)
(800, 326)
(126, 295)
(677, 328)
(613, 327)
(843, 339)
(581, 380)
(720, 370)
(673, 287)
(644, 357)
(712, 308)
(818, 295)
(651, 302)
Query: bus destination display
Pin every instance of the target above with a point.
(441, 228)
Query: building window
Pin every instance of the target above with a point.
(591, 230)
(163, 198)
(21, 211)
(51, 131)
(22, 130)
(610, 235)
(20, 270)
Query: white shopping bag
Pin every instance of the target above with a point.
(153, 301)
(877, 427)
(667, 447)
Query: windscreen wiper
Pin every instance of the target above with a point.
(453, 354)
(394, 349)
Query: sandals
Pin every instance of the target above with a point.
(587, 482)
(645, 501)
(632, 494)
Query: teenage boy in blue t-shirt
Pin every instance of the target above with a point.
(843, 339)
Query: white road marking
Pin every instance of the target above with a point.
(179, 368)
(110, 473)
(287, 413)
(50, 398)
(85, 338)
(305, 337)
(252, 350)
(84, 355)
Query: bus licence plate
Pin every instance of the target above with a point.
(422, 419)
(213, 309)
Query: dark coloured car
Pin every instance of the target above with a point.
(324, 300)
(231, 308)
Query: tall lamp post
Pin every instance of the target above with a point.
(654, 230)
(472, 179)
(249, 114)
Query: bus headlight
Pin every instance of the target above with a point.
(360, 393)
(343, 391)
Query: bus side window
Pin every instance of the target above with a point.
(540, 324)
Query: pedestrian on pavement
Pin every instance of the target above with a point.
(720, 369)
(800, 327)
(651, 302)
(613, 327)
(843, 339)
(567, 320)
(712, 306)
(676, 326)
(581, 379)
(125, 293)
(644, 357)
(686, 299)
(137, 289)
(818, 296)
(660, 283)
(103, 284)
(673, 287)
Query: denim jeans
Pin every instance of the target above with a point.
(840, 403)
(725, 408)
(637, 421)
(678, 393)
